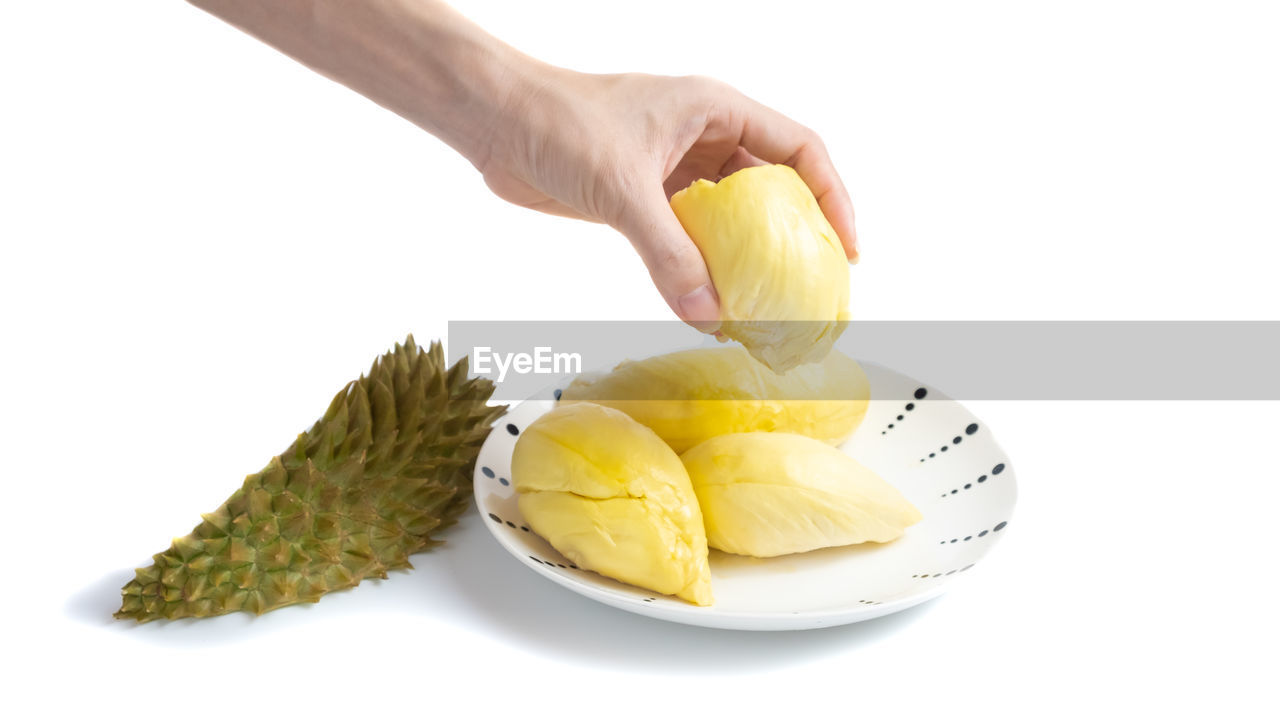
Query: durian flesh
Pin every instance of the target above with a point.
(777, 264)
(611, 497)
(769, 494)
(689, 396)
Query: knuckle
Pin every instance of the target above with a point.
(811, 138)
(706, 85)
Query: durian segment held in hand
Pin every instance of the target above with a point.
(608, 494)
(693, 395)
(768, 494)
(777, 264)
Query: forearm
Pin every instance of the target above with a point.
(418, 58)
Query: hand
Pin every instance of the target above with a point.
(614, 148)
(608, 148)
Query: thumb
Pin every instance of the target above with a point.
(674, 262)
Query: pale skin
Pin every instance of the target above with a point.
(604, 148)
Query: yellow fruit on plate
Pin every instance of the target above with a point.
(608, 494)
(692, 395)
(777, 264)
(769, 494)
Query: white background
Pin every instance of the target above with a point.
(202, 241)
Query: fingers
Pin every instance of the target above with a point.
(674, 262)
(739, 160)
(709, 166)
(776, 138)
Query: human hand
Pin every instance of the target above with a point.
(614, 148)
(608, 148)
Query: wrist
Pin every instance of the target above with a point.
(488, 105)
(427, 63)
(458, 79)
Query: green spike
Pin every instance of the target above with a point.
(354, 496)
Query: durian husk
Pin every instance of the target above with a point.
(389, 464)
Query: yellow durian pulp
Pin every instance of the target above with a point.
(689, 396)
(769, 494)
(610, 496)
(777, 264)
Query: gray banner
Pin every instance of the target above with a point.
(1032, 360)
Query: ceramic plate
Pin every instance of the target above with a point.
(945, 460)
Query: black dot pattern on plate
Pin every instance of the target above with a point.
(649, 599)
(525, 528)
(868, 602)
(982, 479)
(513, 429)
(548, 563)
(558, 393)
(969, 430)
(974, 536)
(920, 393)
(926, 576)
(489, 473)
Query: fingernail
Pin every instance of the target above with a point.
(701, 309)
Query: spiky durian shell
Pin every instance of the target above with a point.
(353, 497)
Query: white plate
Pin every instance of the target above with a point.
(939, 455)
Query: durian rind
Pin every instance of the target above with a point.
(367, 486)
